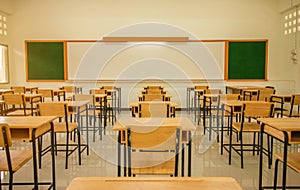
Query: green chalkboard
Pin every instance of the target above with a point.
(45, 61)
(247, 60)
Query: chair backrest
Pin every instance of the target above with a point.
(212, 91)
(108, 87)
(265, 94)
(201, 87)
(295, 100)
(69, 89)
(14, 99)
(153, 150)
(19, 89)
(153, 97)
(82, 97)
(153, 109)
(257, 109)
(154, 87)
(153, 138)
(294, 106)
(13, 102)
(98, 91)
(229, 97)
(47, 93)
(154, 91)
(5, 136)
(58, 109)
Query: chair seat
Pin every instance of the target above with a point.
(18, 158)
(61, 127)
(248, 127)
(153, 163)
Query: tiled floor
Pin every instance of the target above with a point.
(101, 161)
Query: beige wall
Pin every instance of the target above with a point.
(202, 19)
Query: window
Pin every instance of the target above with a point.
(3, 63)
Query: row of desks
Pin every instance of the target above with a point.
(32, 127)
(285, 130)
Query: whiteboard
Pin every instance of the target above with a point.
(145, 60)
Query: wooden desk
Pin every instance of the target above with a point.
(186, 125)
(240, 89)
(286, 130)
(151, 183)
(135, 107)
(59, 93)
(6, 91)
(30, 128)
(31, 89)
(251, 93)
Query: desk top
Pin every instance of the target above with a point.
(282, 124)
(245, 87)
(185, 123)
(77, 103)
(22, 127)
(26, 122)
(135, 104)
(3, 91)
(238, 102)
(150, 183)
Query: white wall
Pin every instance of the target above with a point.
(202, 19)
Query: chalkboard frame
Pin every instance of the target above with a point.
(57, 55)
(262, 65)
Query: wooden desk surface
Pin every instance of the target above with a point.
(77, 103)
(3, 91)
(136, 104)
(21, 127)
(276, 126)
(185, 123)
(151, 183)
(245, 87)
(282, 124)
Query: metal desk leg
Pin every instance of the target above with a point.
(119, 154)
(190, 155)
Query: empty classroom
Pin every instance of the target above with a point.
(171, 94)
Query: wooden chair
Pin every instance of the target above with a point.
(226, 110)
(111, 101)
(293, 162)
(47, 94)
(250, 95)
(70, 91)
(153, 150)
(250, 112)
(265, 94)
(18, 89)
(294, 107)
(63, 125)
(15, 105)
(93, 113)
(11, 160)
(154, 109)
